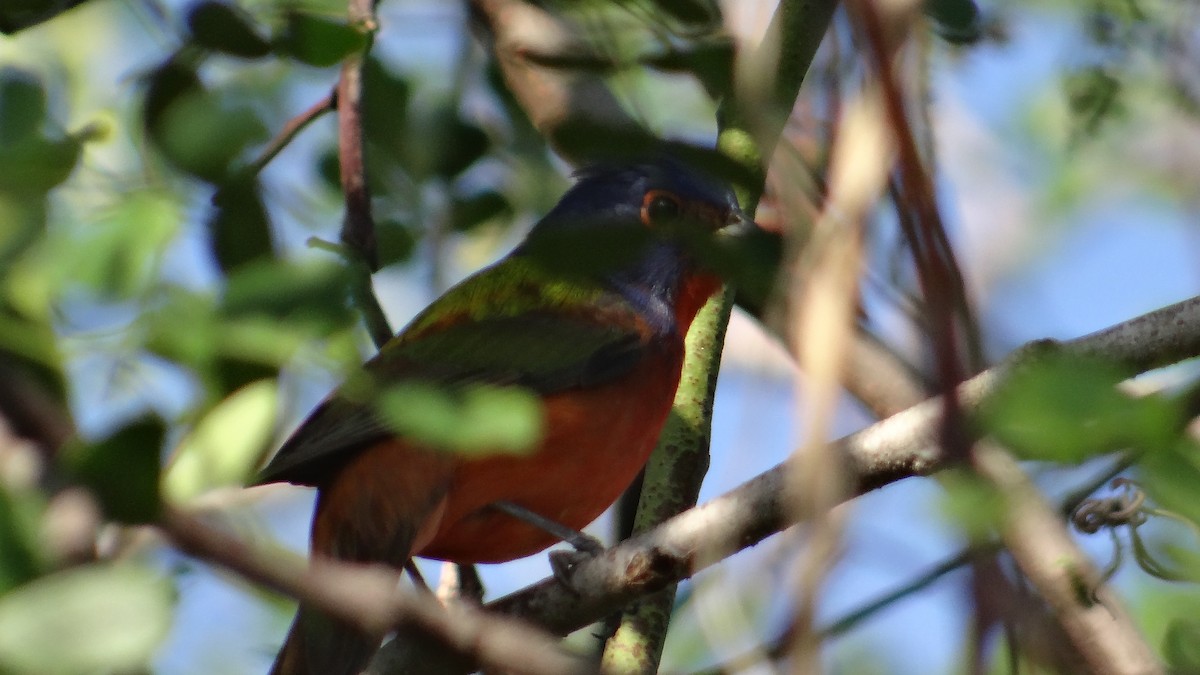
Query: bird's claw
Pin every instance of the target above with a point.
(563, 564)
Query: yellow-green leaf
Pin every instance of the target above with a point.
(226, 446)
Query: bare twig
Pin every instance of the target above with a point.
(573, 110)
(367, 597)
(289, 131)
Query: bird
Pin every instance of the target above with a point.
(600, 345)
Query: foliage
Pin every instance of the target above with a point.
(164, 287)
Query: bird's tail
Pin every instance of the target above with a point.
(318, 645)
(371, 513)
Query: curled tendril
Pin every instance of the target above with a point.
(1128, 508)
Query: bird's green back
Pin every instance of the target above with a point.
(514, 323)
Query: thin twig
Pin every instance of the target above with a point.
(290, 130)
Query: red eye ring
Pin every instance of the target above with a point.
(660, 206)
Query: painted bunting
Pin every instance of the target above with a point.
(600, 344)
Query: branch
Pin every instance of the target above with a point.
(290, 129)
(673, 477)
(573, 110)
(368, 598)
(902, 446)
(358, 227)
(1037, 537)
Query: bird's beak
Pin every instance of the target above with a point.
(737, 225)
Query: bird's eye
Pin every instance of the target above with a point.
(659, 207)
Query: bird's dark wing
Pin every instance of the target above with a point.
(542, 350)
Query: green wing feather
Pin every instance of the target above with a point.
(511, 324)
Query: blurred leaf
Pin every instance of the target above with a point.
(396, 242)
(183, 328)
(225, 448)
(22, 105)
(467, 213)
(976, 507)
(238, 225)
(476, 420)
(203, 135)
(259, 340)
(385, 105)
(22, 219)
(711, 61)
(123, 470)
(29, 338)
(34, 165)
(748, 261)
(957, 21)
(1067, 409)
(607, 248)
(98, 618)
(18, 14)
(317, 41)
(227, 29)
(303, 292)
(233, 373)
(329, 169)
(1093, 95)
(442, 144)
(691, 13)
(1171, 476)
(1181, 646)
(170, 82)
(117, 256)
(20, 536)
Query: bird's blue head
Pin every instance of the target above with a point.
(638, 227)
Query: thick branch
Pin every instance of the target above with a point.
(899, 447)
(368, 597)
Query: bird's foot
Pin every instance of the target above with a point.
(562, 563)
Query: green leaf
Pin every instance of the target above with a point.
(1094, 96)
(1171, 476)
(227, 29)
(34, 165)
(123, 470)
(396, 242)
(239, 226)
(226, 446)
(440, 143)
(312, 292)
(957, 20)
(203, 135)
(385, 104)
(317, 41)
(1067, 409)
(98, 618)
(170, 82)
(1181, 646)
(183, 328)
(475, 420)
(467, 213)
(691, 12)
(20, 548)
(22, 105)
(976, 507)
(117, 257)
